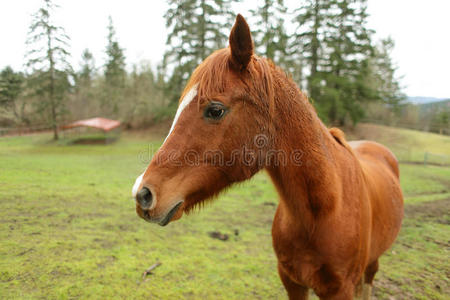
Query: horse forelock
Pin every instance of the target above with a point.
(212, 78)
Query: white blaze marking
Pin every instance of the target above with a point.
(136, 185)
(184, 103)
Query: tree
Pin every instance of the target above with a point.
(312, 22)
(115, 73)
(87, 67)
(336, 44)
(48, 64)
(385, 77)
(145, 101)
(11, 88)
(381, 77)
(441, 122)
(272, 40)
(83, 101)
(196, 29)
(350, 48)
(270, 36)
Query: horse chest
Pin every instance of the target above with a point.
(295, 255)
(306, 259)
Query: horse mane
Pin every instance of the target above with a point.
(339, 136)
(210, 76)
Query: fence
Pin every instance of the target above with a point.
(436, 159)
(414, 156)
(23, 130)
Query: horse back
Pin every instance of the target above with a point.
(375, 152)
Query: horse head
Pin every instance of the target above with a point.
(219, 135)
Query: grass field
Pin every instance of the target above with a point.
(408, 145)
(68, 229)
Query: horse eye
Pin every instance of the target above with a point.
(215, 111)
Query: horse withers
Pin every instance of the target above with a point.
(340, 204)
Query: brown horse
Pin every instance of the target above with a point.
(340, 203)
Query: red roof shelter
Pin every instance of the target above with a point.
(99, 123)
(80, 133)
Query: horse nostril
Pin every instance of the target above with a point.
(144, 198)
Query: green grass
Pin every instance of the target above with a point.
(68, 230)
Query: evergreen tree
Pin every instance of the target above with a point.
(11, 88)
(196, 29)
(440, 123)
(115, 73)
(312, 21)
(87, 67)
(270, 36)
(272, 40)
(84, 98)
(337, 48)
(350, 48)
(47, 61)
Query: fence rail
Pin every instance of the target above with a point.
(23, 130)
(414, 156)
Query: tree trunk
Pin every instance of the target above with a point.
(52, 87)
(202, 31)
(314, 50)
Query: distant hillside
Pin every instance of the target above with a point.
(423, 100)
(408, 145)
(443, 104)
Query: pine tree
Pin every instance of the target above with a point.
(87, 67)
(115, 73)
(350, 48)
(11, 88)
(84, 98)
(197, 27)
(270, 36)
(48, 64)
(312, 22)
(336, 44)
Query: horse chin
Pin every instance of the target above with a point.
(178, 214)
(174, 213)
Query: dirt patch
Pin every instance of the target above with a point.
(434, 210)
(218, 235)
(387, 285)
(25, 252)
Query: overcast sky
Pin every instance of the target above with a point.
(421, 31)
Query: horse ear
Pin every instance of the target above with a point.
(241, 43)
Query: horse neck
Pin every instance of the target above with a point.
(307, 187)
